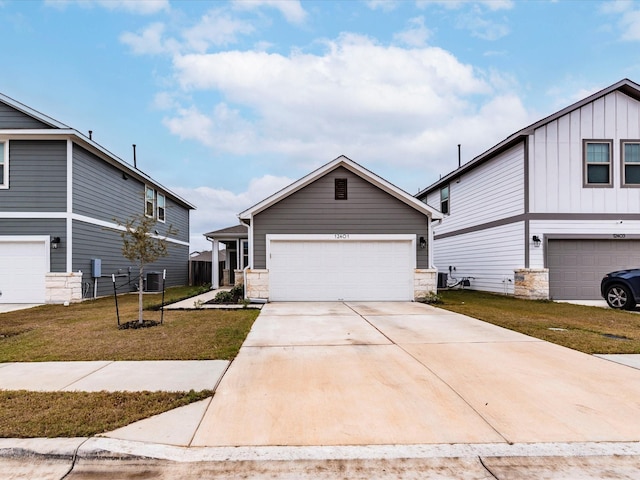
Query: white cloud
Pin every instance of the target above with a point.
(218, 208)
(493, 5)
(629, 18)
(215, 28)
(291, 9)
(368, 101)
(149, 41)
(139, 7)
(416, 35)
(384, 5)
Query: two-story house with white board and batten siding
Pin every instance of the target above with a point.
(552, 208)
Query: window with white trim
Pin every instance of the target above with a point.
(149, 201)
(4, 166)
(630, 163)
(444, 199)
(161, 207)
(597, 163)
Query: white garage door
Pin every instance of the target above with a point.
(355, 268)
(23, 265)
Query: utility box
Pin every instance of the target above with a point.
(154, 282)
(442, 280)
(96, 267)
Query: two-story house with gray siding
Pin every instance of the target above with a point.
(59, 195)
(552, 208)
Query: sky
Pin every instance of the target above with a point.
(230, 101)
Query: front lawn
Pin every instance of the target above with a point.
(587, 329)
(89, 331)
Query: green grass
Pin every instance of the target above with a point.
(89, 331)
(79, 414)
(585, 328)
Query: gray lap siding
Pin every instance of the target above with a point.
(314, 210)
(37, 177)
(11, 118)
(101, 191)
(92, 241)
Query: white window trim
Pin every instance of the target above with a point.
(448, 199)
(164, 208)
(5, 146)
(623, 164)
(146, 200)
(585, 164)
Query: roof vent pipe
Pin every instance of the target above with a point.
(135, 164)
(459, 157)
(90, 134)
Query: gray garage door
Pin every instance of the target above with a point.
(576, 267)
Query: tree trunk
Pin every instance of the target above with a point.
(140, 286)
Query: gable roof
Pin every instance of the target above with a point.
(60, 130)
(625, 86)
(237, 231)
(353, 167)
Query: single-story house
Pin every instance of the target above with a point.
(341, 233)
(549, 210)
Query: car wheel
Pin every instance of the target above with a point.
(619, 296)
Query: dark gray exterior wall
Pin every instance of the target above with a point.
(314, 210)
(37, 177)
(12, 118)
(101, 191)
(52, 227)
(92, 241)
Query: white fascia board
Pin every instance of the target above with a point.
(350, 165)
(31, 112)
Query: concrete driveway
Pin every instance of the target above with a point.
(408, 373)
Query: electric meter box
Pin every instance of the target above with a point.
(96, 267)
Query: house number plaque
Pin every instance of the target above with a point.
(341, 236)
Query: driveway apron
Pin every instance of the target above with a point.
(408, 373)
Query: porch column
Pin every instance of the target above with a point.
(215, 274)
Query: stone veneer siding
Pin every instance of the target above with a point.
(257, 284)
(63, 287)
(425, 282)
(531, 283)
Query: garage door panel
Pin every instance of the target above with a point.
(577, 277)
(22, 271)
(308, 270)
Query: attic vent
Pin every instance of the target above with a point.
(341, 188)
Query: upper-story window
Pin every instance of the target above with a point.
(161, 207)
(149, 201)
(630, 163)
(4, 166)
(597, 163)
(444, 199)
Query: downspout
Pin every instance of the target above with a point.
(431, 240)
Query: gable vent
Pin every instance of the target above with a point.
(341, 188)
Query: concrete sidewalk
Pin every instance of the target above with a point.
(359, 390)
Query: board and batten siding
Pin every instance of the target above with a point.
(54, 227)
(37, 177)
(582, 228)
(490, 192)
(556, 158)
(314, 210)
(92, 241)
(10, 119)
(488, 255)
